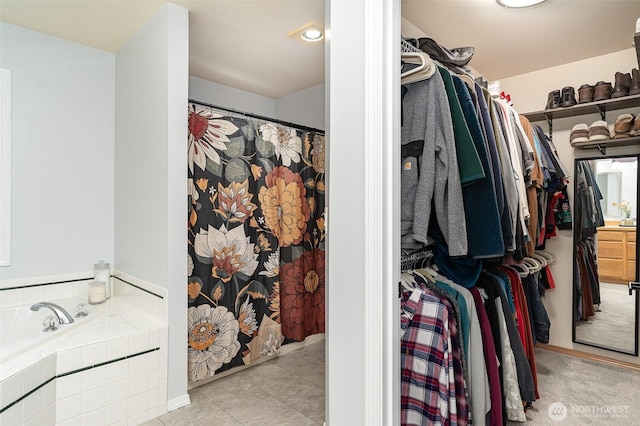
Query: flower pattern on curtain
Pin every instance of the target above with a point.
(256, 276)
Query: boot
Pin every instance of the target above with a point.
(602, 91)
(568, 97)
(585, 93)
(621, 88)
(635, 82)
(553, 100)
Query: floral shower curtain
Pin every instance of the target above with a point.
(256, 239)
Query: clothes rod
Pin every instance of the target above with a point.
(259, 117)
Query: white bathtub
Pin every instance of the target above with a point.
(106, 368)
(22, 330)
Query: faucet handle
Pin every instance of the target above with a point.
(82, 310)
(50, 323)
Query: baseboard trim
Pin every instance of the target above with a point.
(589, 356)
(179, 402)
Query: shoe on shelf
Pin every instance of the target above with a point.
(635, 82)
(602, 90)
(636, 126)
(553, 100)
(568, 98)
(622, 126)
(599, 131)
(579, 133)
(622, 84)
(585, 93)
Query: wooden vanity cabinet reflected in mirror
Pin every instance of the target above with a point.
(605, 315)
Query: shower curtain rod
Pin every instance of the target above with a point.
(259, 117)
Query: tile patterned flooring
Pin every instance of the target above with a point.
(288, 390)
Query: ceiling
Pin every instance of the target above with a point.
(244, 43)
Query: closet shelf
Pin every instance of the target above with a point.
(587, 108)
(600, 107)
(602, 145)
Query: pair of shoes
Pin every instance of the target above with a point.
(626, 125)
(585, 93)
(579, 133)
(626, 84)
(598, 131)
(602, 90)
(556, 99)
(622, 85)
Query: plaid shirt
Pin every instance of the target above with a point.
(429, 379)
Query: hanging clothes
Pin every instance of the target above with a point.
(524, 321)
(484, 230)
(491, 358)
(428, 141)
(534, 186)
(461, 147)
(586, 281)
(587, 201)
(431, 370)
(477, 377)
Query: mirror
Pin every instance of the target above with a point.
(605, 315)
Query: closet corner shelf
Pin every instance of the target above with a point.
(588, 108)
(603, 144)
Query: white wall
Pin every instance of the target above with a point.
(529, 93)
(305, 107)
(62, 153)
(151, 173)
(228, 97)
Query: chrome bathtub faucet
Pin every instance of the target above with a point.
(63, 316)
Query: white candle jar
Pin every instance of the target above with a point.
(102, 272)
(97, 292)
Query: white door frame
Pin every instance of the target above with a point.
(363, 200)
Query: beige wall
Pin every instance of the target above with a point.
(529, 93)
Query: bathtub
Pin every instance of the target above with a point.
(106, 368)
(22, 331)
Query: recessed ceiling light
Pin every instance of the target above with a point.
(310, 34)
(519, 3)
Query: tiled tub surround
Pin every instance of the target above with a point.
(107, 368)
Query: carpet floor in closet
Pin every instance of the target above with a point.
(575, 391)
(289, 391)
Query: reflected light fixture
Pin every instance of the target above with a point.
(311, 34)
(519, 3)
